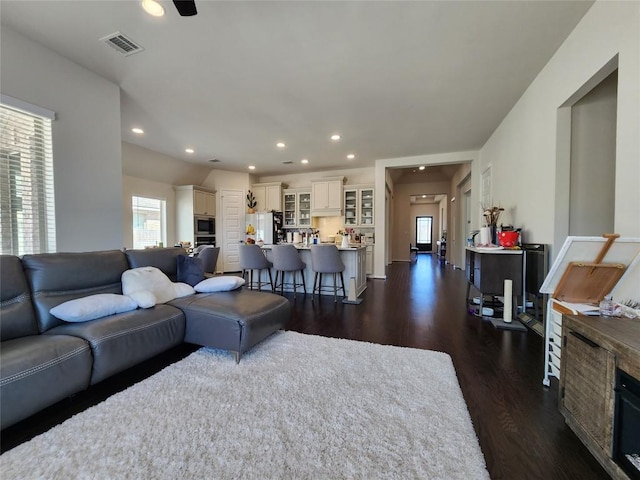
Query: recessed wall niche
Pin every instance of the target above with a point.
(586, 157)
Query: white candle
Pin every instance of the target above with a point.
(508, 298)
(485, 236)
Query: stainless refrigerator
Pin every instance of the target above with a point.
(268, 226)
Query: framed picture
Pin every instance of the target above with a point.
(485, 197)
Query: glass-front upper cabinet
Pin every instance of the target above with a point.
(289, 210)
(350, 207)
(304, 209)
(358, 206)
(366, 206)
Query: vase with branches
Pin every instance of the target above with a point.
(491, 215)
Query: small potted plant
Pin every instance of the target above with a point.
(251, 202)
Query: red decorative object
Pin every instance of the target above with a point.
(508, 239)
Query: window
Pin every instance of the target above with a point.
(424, 226)
(149, 222)
(27, 210)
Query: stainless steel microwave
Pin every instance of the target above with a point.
(204, 225)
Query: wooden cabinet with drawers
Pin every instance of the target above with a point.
(593, 348)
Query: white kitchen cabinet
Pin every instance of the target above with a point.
(369, 260)
(268, 196)
(366, 212)
(350, 207)
(326, 197)
(358, 206)
(204, 202)
(297, 208)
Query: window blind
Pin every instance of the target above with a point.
(27, 210)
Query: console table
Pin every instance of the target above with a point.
(594, 351)
(487, 269)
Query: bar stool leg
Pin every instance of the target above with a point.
(251, 279)
(344, 292)
(281, 283)
(271, 281)
(335, 289)
(304, 286)
(294, 284)
(315, 281)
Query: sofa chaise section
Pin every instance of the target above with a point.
(35, 370)
(235, 320)
(117, 342)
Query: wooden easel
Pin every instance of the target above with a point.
(590, 282)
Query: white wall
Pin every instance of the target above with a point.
(140, 162)
(86, 139)
(522, 150)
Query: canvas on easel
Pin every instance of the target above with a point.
(585, 270)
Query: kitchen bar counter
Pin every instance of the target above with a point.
(354, 259)
(504, 251)
(488, 268)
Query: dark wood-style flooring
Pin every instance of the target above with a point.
(422, 305)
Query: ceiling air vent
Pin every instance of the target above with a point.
(122, 43)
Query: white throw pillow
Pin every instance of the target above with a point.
(150, 279)
(92, 307)
(143, 298)
(183, 289)
(219, 284)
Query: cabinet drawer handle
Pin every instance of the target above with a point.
(591, 343)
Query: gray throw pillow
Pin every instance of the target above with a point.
(190, 270)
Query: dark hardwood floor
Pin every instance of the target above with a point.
(422, 305)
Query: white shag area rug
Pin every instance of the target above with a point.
(296, 407)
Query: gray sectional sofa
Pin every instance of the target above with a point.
(44, 360)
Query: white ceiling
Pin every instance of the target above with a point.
(394, 78)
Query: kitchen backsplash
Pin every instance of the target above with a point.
(329, 227)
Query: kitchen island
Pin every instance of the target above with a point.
(354, 259)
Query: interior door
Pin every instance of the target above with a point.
(232, 228)
(424, 233)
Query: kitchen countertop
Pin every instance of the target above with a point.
(300, 246)
(503, 250)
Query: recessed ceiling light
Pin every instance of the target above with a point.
(304, 160)
(137, 130)
(335, 137)
(189, 150)
(424, 196)
(252, 167)
(351, 156)
(280, 145)
(421, 167)
(153, 8)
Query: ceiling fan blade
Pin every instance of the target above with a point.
(186, 8)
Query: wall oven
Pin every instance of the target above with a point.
(204, 225)
(626, 430)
